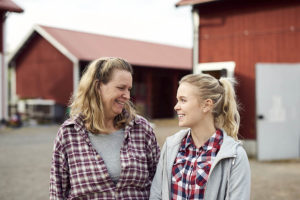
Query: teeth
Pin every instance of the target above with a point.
(180, 116)
(122, 103)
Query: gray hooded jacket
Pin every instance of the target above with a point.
(229, 176)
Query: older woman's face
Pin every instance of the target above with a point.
(116, 93)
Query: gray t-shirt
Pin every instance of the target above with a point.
(108, 146)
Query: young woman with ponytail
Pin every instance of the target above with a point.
(206, 161)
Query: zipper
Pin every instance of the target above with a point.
(234, 158)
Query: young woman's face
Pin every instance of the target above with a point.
(188, 108)
(116, 93)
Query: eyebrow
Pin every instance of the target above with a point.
(124, 85)
(180, 97)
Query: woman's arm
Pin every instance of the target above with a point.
(154, 155)
(240, 178)
(157, 185)
(59, 179)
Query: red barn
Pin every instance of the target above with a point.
(236, 36)
(49, 63)
(6, 6)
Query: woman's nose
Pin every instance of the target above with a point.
(126, 95)
(176, 107)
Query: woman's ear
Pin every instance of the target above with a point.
(207, 105)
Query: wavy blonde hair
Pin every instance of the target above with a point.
(221, 92)
(87, 100)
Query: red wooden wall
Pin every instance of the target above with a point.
(43, 72)
(249, 33)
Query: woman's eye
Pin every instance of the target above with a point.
(181, 101)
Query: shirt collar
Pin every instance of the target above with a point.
(78, 122)
(214, 141)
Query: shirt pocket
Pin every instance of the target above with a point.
(138, 154)
(178, 170)
(135, 167)
(202, 174)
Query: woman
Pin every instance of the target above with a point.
(205, 161)
(105, 150)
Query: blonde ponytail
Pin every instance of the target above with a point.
(229, 118)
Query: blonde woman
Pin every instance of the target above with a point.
(206, 161)
(105, 150)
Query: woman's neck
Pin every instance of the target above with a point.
(202, 132)
(109, 125)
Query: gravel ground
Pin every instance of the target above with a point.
(26, 156)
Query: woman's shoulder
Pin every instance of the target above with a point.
(177, 137)
(69, 131)
(142, 121)
(70, 125)
(139, 118)
(240, 151)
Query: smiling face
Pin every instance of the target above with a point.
(116, 93)
(188, 107)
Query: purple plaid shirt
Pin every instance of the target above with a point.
(192, 165)
(79, 172)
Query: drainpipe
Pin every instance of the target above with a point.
(196, 24)
(13, 84)
(75, 75)
(4, 105)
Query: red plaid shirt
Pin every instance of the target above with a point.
(79, 172)
(191, 167)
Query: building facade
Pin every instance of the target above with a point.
(47, 67)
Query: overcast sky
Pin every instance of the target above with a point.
(156, 21)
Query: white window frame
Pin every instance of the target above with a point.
(211, 66)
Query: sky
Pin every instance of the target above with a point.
(157, 21)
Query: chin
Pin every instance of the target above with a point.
(117, 112)
(184, 124)
(181, 124)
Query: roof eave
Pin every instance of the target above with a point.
(16, 10)
(193, 2)
(56, 44)
(39, 30)
(10, 6)
(20, 47)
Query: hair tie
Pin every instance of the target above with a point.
(220, 83)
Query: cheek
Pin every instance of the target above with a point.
(194, 111)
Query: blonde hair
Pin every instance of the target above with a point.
(221, 92)
(87, 99)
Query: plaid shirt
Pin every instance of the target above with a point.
(191, 167)
(79, 172)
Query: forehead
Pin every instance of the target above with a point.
(186, 90)
(121, 76)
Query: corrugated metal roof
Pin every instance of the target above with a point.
(8, 5)
(192, 2)
(87, 46)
